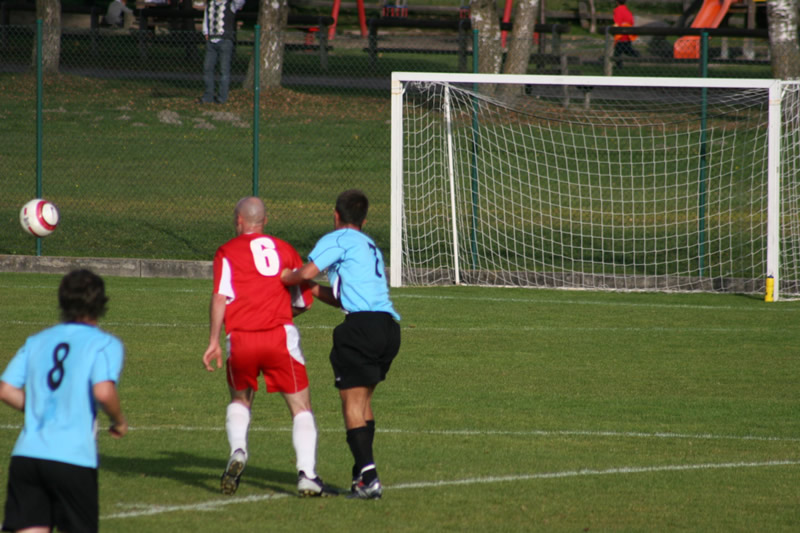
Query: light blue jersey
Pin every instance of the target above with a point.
(355, 270)
(57, 368)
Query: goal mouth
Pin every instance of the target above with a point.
(662, 184)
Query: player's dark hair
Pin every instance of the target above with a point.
(352, 206)
(81, 296)
(621, 2)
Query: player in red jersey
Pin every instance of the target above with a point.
(257, 310)
(623, 44)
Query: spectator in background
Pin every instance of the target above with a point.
(219, 28)
(119, 15)
(623, 44)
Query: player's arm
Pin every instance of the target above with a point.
(106, 395)
(12, 396)
(324, 293)
(216, 314)
(307, 273)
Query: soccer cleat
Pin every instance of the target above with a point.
(315, 487)
(233, 472)
(362, 491)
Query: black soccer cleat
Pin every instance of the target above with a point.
(363, 491)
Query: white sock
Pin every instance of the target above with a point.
(304, 438)
(237, 421)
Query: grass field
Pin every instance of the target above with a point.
(507, 410)
(124, 144)
(174, 170)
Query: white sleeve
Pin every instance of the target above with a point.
(226, 281)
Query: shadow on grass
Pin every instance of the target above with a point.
(196, 471)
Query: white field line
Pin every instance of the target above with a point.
(476, 433)
(109, 323)
(593, 472)
(132, 289)
(680, 329)
(401, 294)
(585, 302)
(213, 505)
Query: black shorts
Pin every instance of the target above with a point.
(364, 346)
(51, 494)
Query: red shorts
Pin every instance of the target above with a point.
(275, 353)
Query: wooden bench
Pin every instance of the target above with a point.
(463, 41)
(315, 28)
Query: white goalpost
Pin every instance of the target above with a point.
(619, 183)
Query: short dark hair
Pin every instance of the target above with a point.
(81, 296)
(352, 206)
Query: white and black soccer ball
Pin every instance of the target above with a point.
(39, 217)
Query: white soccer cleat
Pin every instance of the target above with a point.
(307, 486)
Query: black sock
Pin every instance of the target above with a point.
(371, 431)
(360, 442)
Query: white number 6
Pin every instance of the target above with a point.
(265, 256)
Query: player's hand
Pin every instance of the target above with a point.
(213, 352)
(285, 274)
(118, 430)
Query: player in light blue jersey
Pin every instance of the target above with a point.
(58, 379)
(366, 343)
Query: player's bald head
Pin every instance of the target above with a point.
(252, 212)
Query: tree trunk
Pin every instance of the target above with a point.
(519, 47)
(49, 11)
(783, 41)
(486, 21)
(272, 17)
(592, 17)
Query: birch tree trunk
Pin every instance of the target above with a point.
(272, 17)
(486, 21)
(519, 47)
(49, 11)
(521, 40)
(783, 41)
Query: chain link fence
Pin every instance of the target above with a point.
(138, 168)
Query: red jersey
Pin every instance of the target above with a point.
(623, 17)
(247, 271)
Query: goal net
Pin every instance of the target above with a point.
(596, 182)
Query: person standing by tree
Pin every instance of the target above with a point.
(219, 29)
(368, 340)
(58, 378)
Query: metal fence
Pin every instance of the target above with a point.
(139, 169)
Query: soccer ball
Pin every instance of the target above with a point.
(39, 217)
